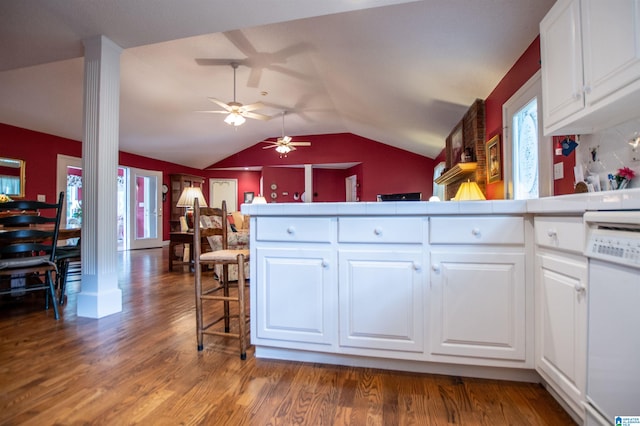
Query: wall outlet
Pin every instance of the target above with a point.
(558, 170)
(42, 197)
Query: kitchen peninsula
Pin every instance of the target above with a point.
(439, 287)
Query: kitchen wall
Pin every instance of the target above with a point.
(612, 151)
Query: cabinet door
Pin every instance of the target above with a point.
(611, 40)
(561, 55)
(478, 304)
(382, 300)
(561, 319)
(296, 295)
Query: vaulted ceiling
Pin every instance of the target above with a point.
(399, 72)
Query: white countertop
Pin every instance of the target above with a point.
(628, 199)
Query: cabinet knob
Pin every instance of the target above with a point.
(417, 267)
(290, 230)
(377, 231)
(580, 287)
(475, 232)
(552, 233)
(325, 263)
(577, 96)
(435, 267)
(587, 89)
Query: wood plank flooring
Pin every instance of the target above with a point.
(141, 366)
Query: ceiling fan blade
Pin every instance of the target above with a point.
(254, 77)
(255, 116)
(269, 146)
(216, 62)
(222, 104)
(253, 106)
(215, 112)
(300, 143)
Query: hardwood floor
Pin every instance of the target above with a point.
(141, 366)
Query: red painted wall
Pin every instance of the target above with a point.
(384, 169)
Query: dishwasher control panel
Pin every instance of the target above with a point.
(613, 237)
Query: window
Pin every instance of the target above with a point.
(438, 190)
(527, 153)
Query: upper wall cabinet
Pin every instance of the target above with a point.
(590, 53)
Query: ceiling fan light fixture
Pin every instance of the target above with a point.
(234, 119)
(283, 149)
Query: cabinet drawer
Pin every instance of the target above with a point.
(301, 229)
(380, 230)
(477, 230)
(565, 233)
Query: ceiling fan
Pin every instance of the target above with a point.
(236, 112)
(285, 145)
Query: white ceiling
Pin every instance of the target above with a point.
(398, 72)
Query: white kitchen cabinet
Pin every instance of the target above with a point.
(478, 311)
(478, 306)
(382, 300)
(382, 285)
(590, 53)
(561, 307)
(297, 296)
(294, 272)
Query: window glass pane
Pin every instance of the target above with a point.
(525, 151)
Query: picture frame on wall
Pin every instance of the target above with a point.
(248, 197)
(457, 145)
(494, 165)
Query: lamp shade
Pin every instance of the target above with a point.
(259, 200)
(469, 191)
(188, 196)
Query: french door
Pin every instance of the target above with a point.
(145, 208)
(139, 202)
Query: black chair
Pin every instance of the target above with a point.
(28, 240)
(68, 261)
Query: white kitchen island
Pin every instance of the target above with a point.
(414, 286)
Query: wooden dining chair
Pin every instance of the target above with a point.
(209, 290)
(28, 242)
(69, 264)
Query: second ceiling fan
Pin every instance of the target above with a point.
(235, 110)
(284, 144)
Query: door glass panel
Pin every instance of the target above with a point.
(525, 151)
(146, 214)
(74, 196)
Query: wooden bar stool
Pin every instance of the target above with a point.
(218, 291)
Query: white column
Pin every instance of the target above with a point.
(308, 183)
(100, 295)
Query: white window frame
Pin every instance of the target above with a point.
(532, 88)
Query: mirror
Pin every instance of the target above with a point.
(12, 177)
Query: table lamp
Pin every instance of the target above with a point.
(469, 191)
(187, 199)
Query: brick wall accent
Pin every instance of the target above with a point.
(473, 130)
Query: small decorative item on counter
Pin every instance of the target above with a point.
(5, 198)
(621, 179)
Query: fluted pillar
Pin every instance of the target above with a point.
(100, 295)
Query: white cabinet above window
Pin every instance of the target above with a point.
(590, 52)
